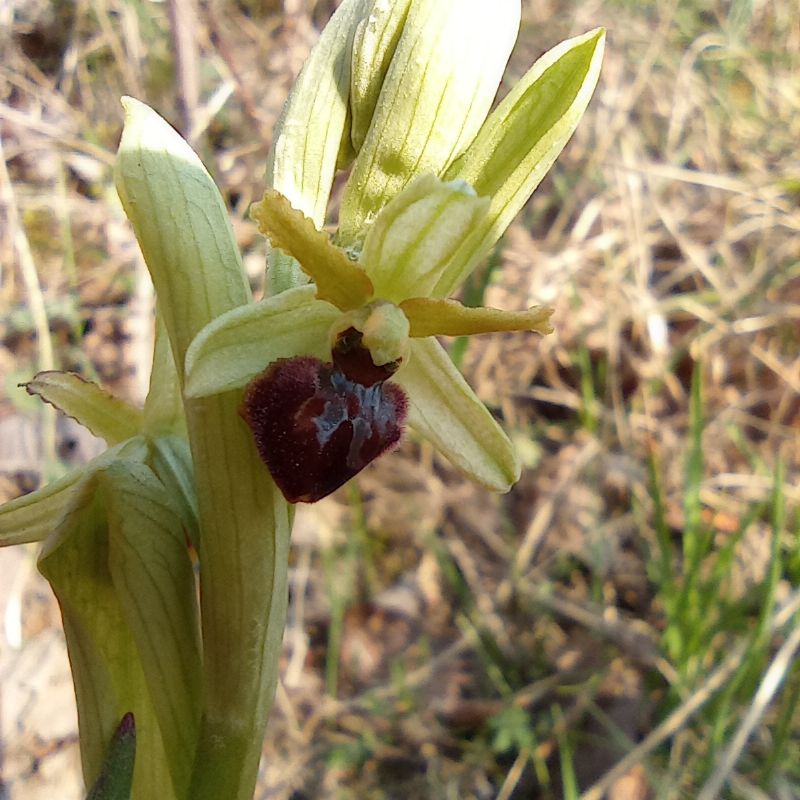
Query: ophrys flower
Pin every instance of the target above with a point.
(434, 182)
(405, 250)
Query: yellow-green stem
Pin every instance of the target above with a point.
(243, 569)
(185, 234)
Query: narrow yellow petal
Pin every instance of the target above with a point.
(432, 317)
(339, 280)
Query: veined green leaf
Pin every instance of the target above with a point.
(444, 409)
(181, 224)
(440, 85)
(520, 140)
(154, 581)
(106, 669)
(163, 407)
(119, 566)
(171, 460)
(238, 345)
(103, 414)
(32, 517)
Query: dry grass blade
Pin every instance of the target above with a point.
(183, 28)
(781, 663)
(679, 718)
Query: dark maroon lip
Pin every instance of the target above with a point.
(315, 427)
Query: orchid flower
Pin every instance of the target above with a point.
(433, 185)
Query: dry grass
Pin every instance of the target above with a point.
(630, 609)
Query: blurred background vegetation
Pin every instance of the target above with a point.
(623, 624)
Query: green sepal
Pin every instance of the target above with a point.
(412, 239)
(519, 142)
(444, 409)
(238, 345)
(100, 412)
(115, 781)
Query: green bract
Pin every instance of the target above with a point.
(187, 241)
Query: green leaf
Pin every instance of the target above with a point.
(520, 140)
(445, 410)
(104, 415)
(413, 238)
(440, 85)
(116, 778)
(119, 567)
(181, 224)
(106, 668)
(171, 460)
(239, 345)
(154, 580)
(163, 407)
(32, 517)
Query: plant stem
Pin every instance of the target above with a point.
(243, 578)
